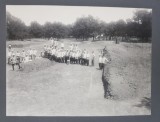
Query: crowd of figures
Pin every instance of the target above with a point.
(56, 52)
(16, 57)
(73, 55)
(69, 56)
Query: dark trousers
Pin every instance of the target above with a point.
(9, 60)
(92, 62)
(76, 60)
(100, 65)
(87, 62)
(16, 64)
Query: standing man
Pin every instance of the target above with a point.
(92, 58)
(87, 58)
(18, 57)
(14, 61)
(100, 62)
(55, 44)
(9, 48)
(104, 61)
(31, 54)
(34, 53)
(66, 56)
(52, 41)
(84, 57)
(71, 47)
(9, 56)
(23, 54)
(62, 45)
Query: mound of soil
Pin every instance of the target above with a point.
(36, 65)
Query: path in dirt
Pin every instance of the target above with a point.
(68, 90)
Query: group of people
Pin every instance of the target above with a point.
(16, 57)
(73, 55)
(56, 52)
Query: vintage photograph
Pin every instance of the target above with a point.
(78, 60)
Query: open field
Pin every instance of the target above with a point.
(45, 88)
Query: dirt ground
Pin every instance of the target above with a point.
(57, 89)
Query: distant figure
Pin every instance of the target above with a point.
(23, 55)
(62, 45)
(52, 41)
(55, 44)
(9, 56)
(18, 57)
(31, 54)
(105, 49)
(9, 48)
(71, 47)
(14, 61)
(92, 58)
(76, 47)
(87, 58)
(34, 53)
(27, 58)
(100, 61)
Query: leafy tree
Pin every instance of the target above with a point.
(120, 28)
(55, 30)
(16, 29)
(143, 18)
(86, 27)
(36, 30)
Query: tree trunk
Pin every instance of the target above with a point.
(93, 38)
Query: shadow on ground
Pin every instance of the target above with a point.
(145, 102)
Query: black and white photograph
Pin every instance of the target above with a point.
(78, 60)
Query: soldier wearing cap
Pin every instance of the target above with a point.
(14, 61)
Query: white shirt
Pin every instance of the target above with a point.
(9, 54)
(104, 60)
(93, 55)
(77, 55)
(84, 55)
(34, 52)
(30, 52)
(56, 43)
(71, 47)
(53, 51)
(100, 59)
(23, 54)
(76, 47)
(52, 41)
(18, 54)
(87, 56)
(62, 44)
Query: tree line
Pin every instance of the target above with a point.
(138, 27)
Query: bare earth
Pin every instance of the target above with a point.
(56, 89)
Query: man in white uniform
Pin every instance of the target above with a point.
(104, 61)
(62, 45)
(52, 41)
(23, 54)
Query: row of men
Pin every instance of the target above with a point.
(74, 56)
(69, 56)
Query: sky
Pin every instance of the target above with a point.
(67, 14)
